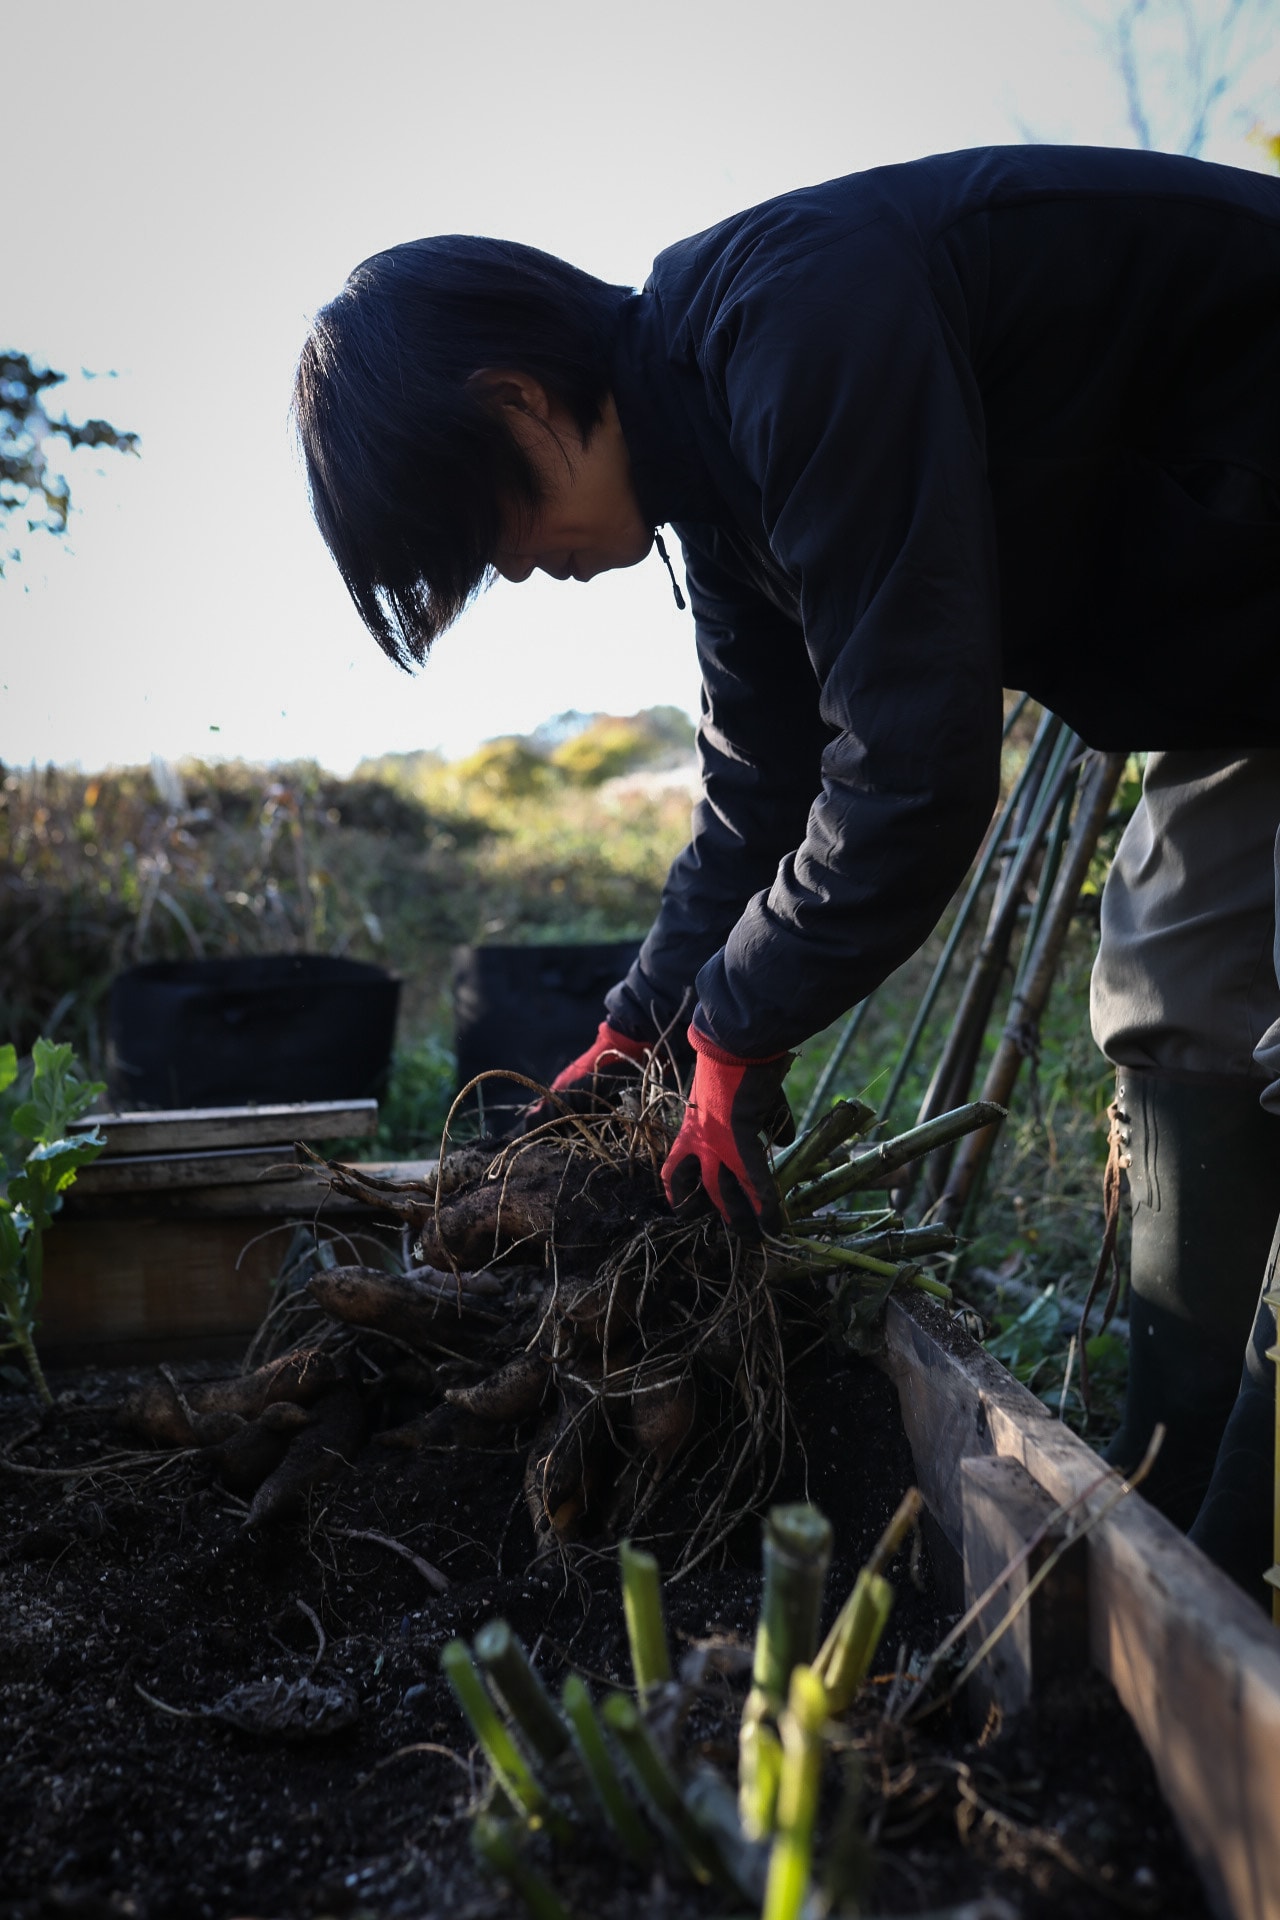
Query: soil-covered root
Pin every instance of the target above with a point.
(330, 1440)
(430, 1311)
(486, 1205)
(209, 1412)
(663, 1409)
(511, 1394)
(243, 1461)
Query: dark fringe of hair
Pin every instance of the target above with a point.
(412, 471)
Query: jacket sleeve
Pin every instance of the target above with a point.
(760, 742)
(849, 403)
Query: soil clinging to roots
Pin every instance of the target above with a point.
(553, 1298)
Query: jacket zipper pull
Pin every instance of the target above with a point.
(665, 558)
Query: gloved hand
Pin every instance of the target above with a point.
(597, 1075)
(736, 1107)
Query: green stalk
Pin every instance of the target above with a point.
(869, 1168)
(840, 1123)
(642, 1605)
(510, 1768)
(849, 1648)
(791, 1858)
(19, 1323)
(507, 1665)
(626, 1723)
(910, 1243)
(847, 1220)
(605, 1781)
(759, 1768)
(797, 1552)
(495, 1847)
(926, 1283)
(814, 1256)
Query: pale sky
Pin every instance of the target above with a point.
(185, 183)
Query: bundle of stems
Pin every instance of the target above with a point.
(554, 1766)
(818, 1172)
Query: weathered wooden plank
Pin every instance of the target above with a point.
(190, 1129)
(124, 1284)
(174, 1172)
(1005, 1512)
(1195, 1663)
(297, 1191)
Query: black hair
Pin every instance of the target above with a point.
(410, 468)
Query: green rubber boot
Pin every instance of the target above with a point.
(1204, 1178)
(1236, 1524)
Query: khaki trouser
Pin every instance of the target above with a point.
(1186, 974)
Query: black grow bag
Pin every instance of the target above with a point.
(529, 1010)
(268, 1028)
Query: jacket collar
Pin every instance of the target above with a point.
(659, 399)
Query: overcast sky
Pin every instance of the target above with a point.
(185, 183)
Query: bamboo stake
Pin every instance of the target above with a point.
(1021, 1027)
(987, 855)
(952, 1078)
(1029, 840)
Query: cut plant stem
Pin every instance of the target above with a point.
(510, 1768)
(791, 1858)
(908, 1243)
(496, 1847)
(847, 1220)
(642, 1605)
(626, 1723)
(841, 1122)
(797, 1552)
(868, 1168)
(604, 1778)
(507, 1665)
(817, 1254)
(850, 1646)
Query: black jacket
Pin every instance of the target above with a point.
(1001, 418)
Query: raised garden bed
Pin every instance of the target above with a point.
(117, 1581)
(200, 1716)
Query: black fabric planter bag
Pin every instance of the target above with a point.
(529, 1010)
(271, 1027)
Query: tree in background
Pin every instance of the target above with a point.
(30, 485)
(1189, 68)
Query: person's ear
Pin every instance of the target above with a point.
(508, 387)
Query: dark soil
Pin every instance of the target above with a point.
(129, 1578)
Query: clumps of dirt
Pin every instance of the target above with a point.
(201, 1720)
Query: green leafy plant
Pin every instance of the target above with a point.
(40, 1160)
(552, 1768)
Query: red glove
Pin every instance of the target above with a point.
(734, 1108)
(599, 1073)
